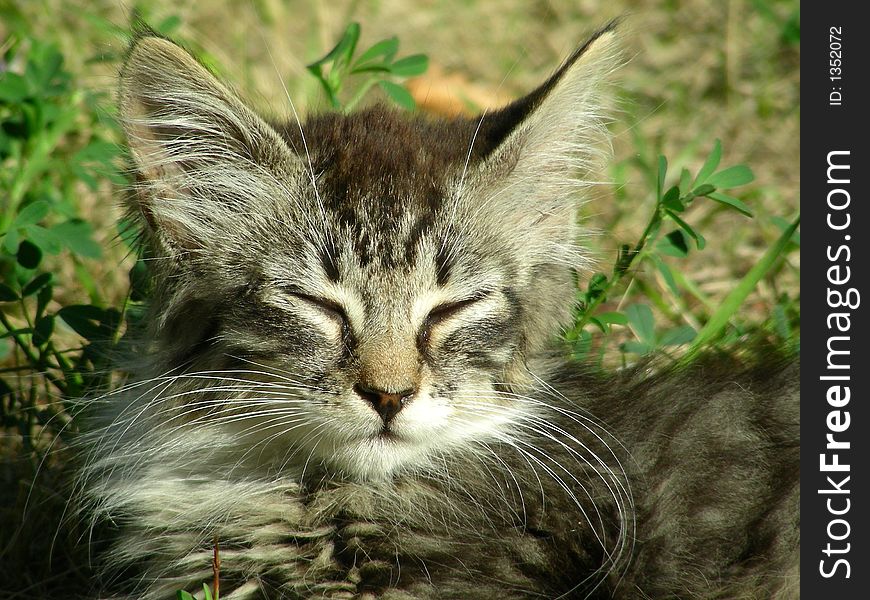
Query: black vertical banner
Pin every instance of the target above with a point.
(835, 365)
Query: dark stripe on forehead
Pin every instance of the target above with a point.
(362, 245)
(329, 259)
(421, 228)
(350, 222)
(443, 264)
(371, 239)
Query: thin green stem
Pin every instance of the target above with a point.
(361, 92)
(619, 271)
(116, 337)
(71, 375)
(36, 363)
(727, 308)
(36, 162)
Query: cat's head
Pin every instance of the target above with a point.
(386, 278)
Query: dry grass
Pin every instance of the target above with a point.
(697, 70)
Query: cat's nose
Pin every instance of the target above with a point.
(386, 404)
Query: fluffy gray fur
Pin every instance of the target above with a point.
(303, 271)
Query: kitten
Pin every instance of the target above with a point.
(351, 385)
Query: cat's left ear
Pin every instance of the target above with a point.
(201, 156)
(538, 150)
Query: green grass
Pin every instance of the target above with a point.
(682, 265)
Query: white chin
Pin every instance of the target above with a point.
(378, 457)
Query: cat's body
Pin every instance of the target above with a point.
(351, 386)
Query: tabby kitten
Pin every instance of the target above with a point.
(351, 382)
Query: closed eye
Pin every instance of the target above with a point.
(331, 309)
(442, 313)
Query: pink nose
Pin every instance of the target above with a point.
(386, 404)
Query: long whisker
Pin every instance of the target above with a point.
(310, 165)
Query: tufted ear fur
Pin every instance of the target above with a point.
(540, 149)
(201, 156)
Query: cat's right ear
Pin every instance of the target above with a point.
(200, 155)
(542, 151)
